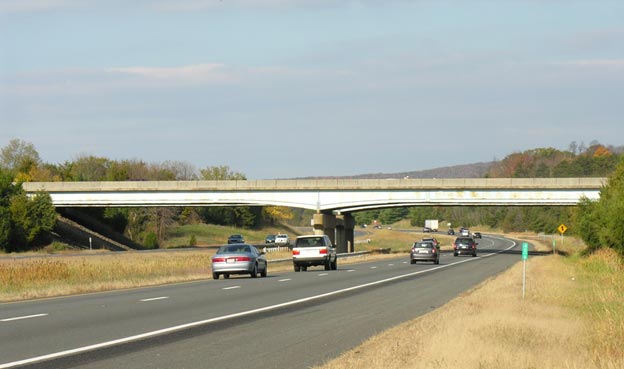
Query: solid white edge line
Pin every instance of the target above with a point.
(23, 317)
(235, 315)
(155, 299)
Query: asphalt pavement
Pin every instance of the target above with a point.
(287, 320)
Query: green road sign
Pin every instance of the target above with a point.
(525, 250)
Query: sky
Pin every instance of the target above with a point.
(298, 88)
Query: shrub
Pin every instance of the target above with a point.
(151, 241)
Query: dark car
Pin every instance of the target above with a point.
(238, 259)
(451, 232)
(464, 245)
(476, 235)
(235, 238)
(270, 239)
(424, 251)
(426, 229)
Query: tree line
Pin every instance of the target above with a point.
(598, 223)
(20, 162)
(25, 223)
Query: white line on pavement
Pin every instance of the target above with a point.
(231, 288)
(23, 317)
(155, 299)
(285, 280)
(235, 315)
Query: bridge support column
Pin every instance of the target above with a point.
(345, 225)
(325, 224)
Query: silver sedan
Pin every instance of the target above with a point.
(238, 259)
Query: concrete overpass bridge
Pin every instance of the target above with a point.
(333, 200)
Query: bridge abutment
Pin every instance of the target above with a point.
(325, 224)
(345, 228)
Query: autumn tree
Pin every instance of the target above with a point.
(19, 157)
(600, 222)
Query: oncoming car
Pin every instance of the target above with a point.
(424, 251)
(238, 259)
(235, 238)
(282, 240)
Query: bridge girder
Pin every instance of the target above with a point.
(333, 195)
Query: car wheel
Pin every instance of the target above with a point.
(264, 271)
(297, 268)
(226, 276)
(327, 264)
(215, 275)
(304, 268)
(254, 272)
(334, 265)
(454, 254)
(412, 261)
(475, 254)
(437, 261)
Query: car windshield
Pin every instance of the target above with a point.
(309, 242)
(423, 245)
(233, 249)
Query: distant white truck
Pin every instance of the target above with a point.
(431, 225)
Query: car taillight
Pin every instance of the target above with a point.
(454, 245)
(243, 258)
(323, 251)
(296, 252)
(218, 260)
(433, 250)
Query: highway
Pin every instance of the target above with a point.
(287, 320)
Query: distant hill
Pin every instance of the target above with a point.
(580, 161)
(476, 170)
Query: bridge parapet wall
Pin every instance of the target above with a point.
(325, 184)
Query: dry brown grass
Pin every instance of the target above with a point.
(572, 317)
(399, 241)
(27, 278)
(41, 276)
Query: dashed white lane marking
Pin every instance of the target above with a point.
(373, 267)
(23, 317)
(405, 262)
(234, 315)
(231, 288)
(155, 299)
(390, 265)
(285, 280)
(322, 274)
(350, 270)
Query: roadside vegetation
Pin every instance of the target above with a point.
(572, 317)
(36, 275)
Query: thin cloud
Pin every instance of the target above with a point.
(29, 6)
(199, 73)
(593, 63)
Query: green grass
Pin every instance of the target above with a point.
(208, 234)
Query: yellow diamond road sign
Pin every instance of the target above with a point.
(562, 228)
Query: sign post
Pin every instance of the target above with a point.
(525, 256)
